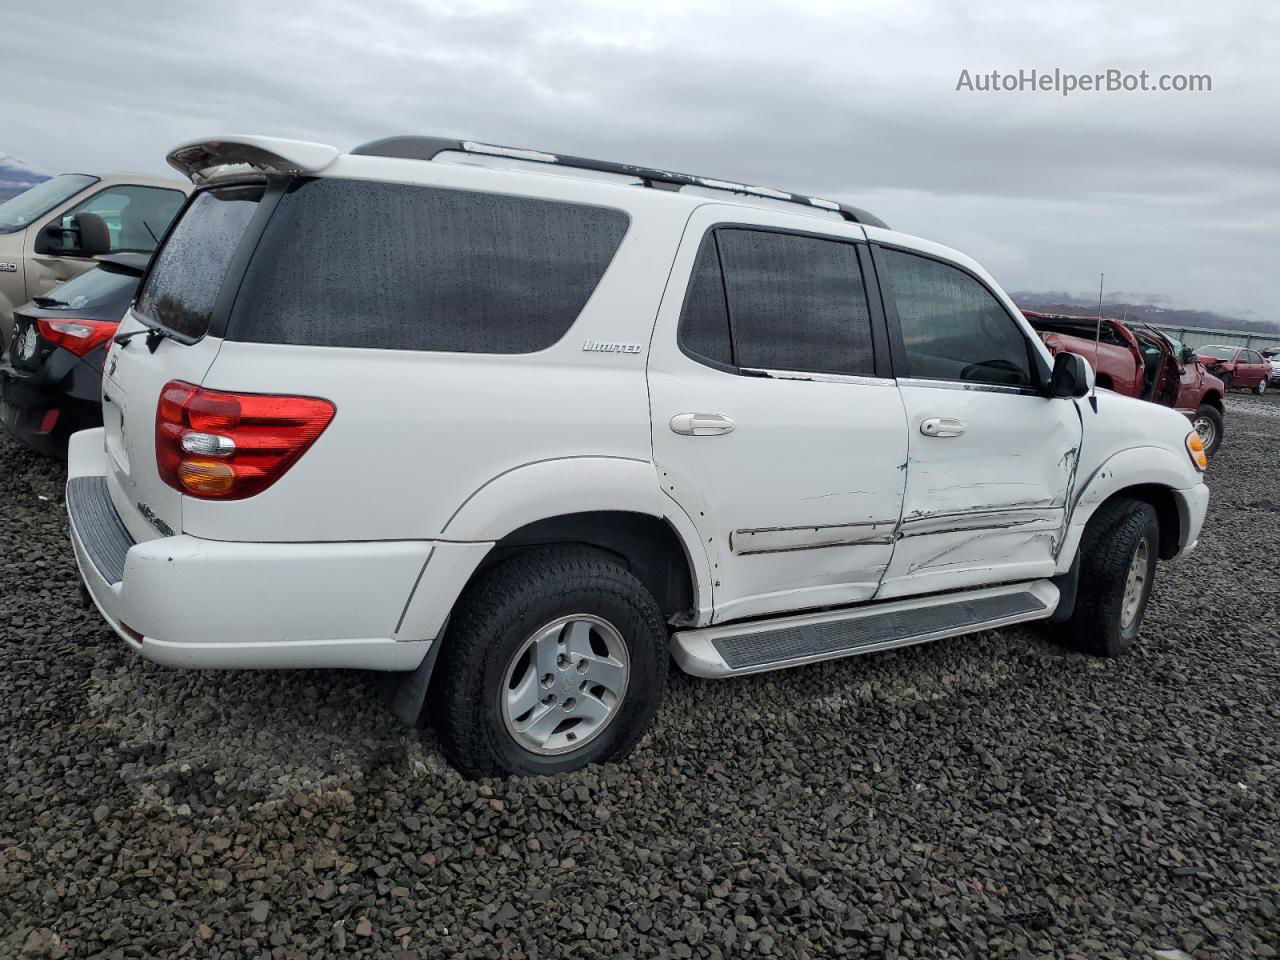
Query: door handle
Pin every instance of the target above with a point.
(701, 424)
(942, 427)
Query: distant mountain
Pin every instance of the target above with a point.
(1154, 314)
(17, 175)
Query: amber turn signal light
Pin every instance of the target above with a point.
(1195, 448)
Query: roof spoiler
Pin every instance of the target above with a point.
(204, 160)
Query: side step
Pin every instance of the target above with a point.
(737, 648)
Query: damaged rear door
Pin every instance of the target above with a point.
(991, 460)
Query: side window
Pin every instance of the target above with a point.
(952, 327)
(795, 302)
(704, 322)
(136, 217)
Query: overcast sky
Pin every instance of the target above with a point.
(1174, 195)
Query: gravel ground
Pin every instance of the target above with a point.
(989, 796)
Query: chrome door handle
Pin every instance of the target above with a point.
(942, 427)
(701, 424)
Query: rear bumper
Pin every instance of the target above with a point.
(41, 412)
(183, 601)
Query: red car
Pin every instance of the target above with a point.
(1141, 362)
(1237, 367)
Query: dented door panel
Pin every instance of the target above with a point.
(989, 504)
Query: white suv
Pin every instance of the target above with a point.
(525, 427)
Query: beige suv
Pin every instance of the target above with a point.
(51, 232)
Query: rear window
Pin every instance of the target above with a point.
(1218, 353)
(189, 270)
(353, 263)
(93, 290)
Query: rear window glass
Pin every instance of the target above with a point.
(353, 263)
(93, 289)
(1218, 353)
(189, 270)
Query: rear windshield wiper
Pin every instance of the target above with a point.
(153, 334)
(49, 302)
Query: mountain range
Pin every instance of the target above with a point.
(1158, 315)
(17, 175)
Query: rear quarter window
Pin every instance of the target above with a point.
(349, 263)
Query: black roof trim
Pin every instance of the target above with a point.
(426, 148)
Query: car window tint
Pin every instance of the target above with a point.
(188, 272)
(704, 322)
(93, 289)
(795, 302)
(354, 263)
(952, 327)
(136, 217)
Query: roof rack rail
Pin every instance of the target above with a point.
(426, 148)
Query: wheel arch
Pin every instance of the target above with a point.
(649, 545)
(612, 503)
(1150, 474)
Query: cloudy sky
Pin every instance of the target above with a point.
(1174, 195)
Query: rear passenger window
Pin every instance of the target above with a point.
(952, 327)
(704, 324)
(792, 302)
(796, 303)
(349, 263)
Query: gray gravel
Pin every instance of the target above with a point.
(984, 797)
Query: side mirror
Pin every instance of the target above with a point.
(88, 236)
(1072, 375)
(1188, 355)
(95, 238)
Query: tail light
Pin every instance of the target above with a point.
(78, 336)
(227, 446)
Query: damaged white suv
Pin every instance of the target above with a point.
(525, 427)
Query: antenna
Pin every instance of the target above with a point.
(1097, 340)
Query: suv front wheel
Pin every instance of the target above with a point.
(555, 659)
(1117, 569)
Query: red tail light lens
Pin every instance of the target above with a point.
(78, 336)
(227, 446)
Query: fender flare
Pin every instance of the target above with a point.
(562, 486)
(1132, 467)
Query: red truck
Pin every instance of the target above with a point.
(1141, 362)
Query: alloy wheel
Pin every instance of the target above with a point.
(565, 684)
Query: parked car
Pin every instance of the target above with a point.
(1236, 366)
(43, 241)
(1273, 359)
(51, 373)
(523, 428)
(1142, 362)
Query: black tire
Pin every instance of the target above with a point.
(1261, 387)
(1226, 381)
(1212, 414)
(495, 618)
(1111, 541)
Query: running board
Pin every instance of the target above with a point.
(737, 648)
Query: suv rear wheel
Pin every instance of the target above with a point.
(556, 659)
(1117, 569)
